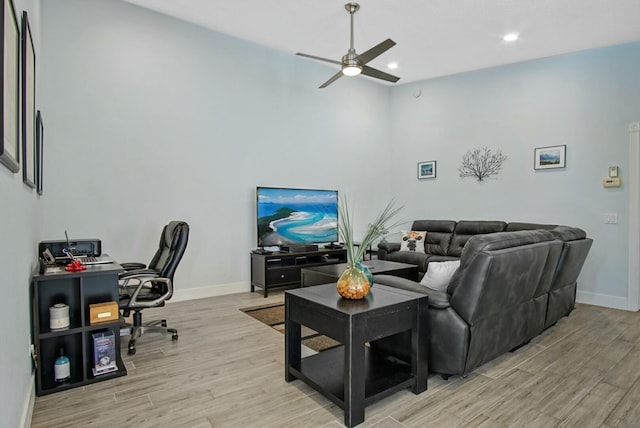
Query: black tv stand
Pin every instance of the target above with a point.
(332, 246)
(284, 269)
(261, 251)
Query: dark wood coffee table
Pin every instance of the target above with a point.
(323, 274)
(353, 375)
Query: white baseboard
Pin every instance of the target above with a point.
(210, 291)
(29, 403)
(615, 302)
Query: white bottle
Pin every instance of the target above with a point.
(62, 368)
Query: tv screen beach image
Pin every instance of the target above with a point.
(294, 216)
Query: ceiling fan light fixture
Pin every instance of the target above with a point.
(350, 64)
(351, 70)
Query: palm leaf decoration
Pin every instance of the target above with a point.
(375, 230)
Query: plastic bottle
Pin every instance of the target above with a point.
(62, 368)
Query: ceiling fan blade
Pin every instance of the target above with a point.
(369, 71)
(333, 79)
(375, 51)
(319, 58)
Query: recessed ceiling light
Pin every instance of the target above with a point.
(392, 65)
(511, 37)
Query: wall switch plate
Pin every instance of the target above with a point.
(611, 218)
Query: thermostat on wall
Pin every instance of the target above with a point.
(612, 182)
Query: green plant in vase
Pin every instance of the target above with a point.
(356, 281)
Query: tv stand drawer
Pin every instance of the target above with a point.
(282, 276)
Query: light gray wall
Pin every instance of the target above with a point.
(150, 119)
(585, 100)
(19, 229)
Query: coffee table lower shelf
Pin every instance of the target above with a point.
(324, 371)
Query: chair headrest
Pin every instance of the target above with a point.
(170, 231)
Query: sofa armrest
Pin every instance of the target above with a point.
(385, 248)
(389, 246)
(437, 299)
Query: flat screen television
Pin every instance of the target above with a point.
(296, 216)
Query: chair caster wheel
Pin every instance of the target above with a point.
(132, 351)
(174, 337)
(163, 323)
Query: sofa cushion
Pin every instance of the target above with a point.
(466, 229)
(439, 233)
(439, 274)
(513, 226)
(412, 240)
(568, 233)
(509, 239)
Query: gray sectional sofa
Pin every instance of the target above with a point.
(512, 284)
(446, 238)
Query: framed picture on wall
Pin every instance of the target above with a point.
(39, 151)
(550, 157)
(426, 170)
(10, 90)
(28, 105)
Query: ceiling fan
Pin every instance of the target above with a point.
(353, 64)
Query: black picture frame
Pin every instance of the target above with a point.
(28, 105)
(550, 157)
(39, 151)
(10, 88)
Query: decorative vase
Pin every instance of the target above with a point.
(354, 283)
(366, 271)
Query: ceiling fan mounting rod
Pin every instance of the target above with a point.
(352, 8)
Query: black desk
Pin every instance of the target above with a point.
(97, 284)
(354, 375)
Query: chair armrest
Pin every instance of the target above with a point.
(139, 273)
(133, 265)
(144, 278)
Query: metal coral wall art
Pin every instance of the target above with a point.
(481, 163)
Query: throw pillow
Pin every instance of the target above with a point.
(439, 274)
(412, 241)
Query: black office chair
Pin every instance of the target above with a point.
(151, 286)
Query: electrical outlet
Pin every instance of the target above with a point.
(611, 218)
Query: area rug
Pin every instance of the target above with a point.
(273, 316)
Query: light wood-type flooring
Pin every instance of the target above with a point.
(227, 370)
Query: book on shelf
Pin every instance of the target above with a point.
(104, 353)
